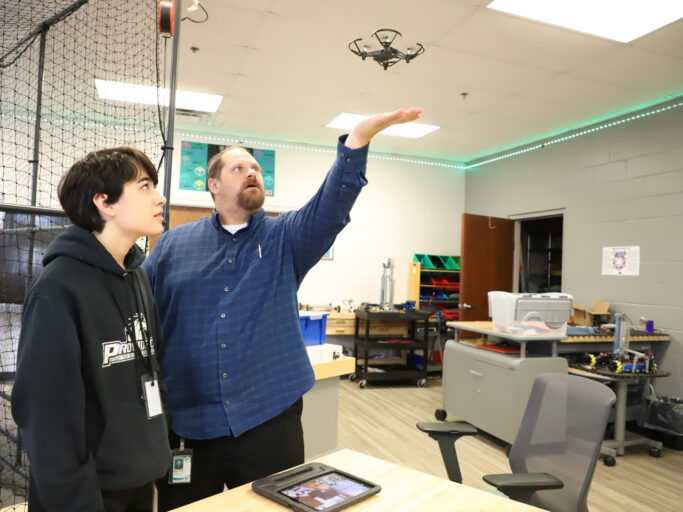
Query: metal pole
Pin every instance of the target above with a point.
(45, 25)
(38, 210)
(36, 152)
(39, 105)
(168, 149)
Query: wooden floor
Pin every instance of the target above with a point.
(380, 421)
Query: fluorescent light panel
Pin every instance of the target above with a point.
(346, 121)
(147, 95)
(620, 20)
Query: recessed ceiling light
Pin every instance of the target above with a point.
(620, 20)
(347, 121)
(147, 95)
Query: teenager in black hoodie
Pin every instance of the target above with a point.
(86, 394)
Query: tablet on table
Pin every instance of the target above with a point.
(315, 486)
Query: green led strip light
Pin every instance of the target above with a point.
(376, 156)
(315, 149)
(572, 135)
(86, 124)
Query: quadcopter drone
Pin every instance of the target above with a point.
(388, 55)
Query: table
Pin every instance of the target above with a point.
(486, 328)
(403, 490)
(320, 416)
(605, 343)
(623, 438)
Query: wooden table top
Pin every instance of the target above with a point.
(403, 490)
(488, 326)
(342, 366)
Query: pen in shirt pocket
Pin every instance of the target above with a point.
(259, 251)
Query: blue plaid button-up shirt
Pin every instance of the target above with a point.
(233, 356)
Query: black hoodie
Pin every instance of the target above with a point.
(77, 394)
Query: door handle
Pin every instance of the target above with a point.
(465, 305)
(477, 374)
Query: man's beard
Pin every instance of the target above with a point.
(249, 201)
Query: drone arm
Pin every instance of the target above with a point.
(411, 55)
(357, 50)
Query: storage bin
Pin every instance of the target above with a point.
(313, 325)
(530, 313)
(437, 261)
(425, 261)
(450, 263)
(324, 353)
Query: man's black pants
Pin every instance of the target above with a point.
(140, 499)
(266, 449)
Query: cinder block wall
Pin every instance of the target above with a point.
(619, 186)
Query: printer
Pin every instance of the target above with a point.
(530, 313)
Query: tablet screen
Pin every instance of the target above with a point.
(322, 492)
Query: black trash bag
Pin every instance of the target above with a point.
(663, 413)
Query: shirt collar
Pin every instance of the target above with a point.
(254, 219)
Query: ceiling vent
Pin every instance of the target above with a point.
(191, 116)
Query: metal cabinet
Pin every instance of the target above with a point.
(489, 389)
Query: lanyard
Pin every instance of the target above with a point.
(131, 331)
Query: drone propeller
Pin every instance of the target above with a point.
(383, 35)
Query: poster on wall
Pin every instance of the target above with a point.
(621, 261)
(195, 157)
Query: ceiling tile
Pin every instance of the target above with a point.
(591, 95)
(510, 38)
(666, 41)
(284, 70)
(659, 74)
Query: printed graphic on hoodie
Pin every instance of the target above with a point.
(119, 351)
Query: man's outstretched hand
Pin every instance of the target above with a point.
(369, 127)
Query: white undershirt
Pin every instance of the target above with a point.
(234, 228)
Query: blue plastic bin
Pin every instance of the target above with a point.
(313, 325)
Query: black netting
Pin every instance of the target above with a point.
(43, 132)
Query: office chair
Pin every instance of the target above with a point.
(556, 448)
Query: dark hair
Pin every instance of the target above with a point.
(216, 162)
(100, 172)
(216, 165)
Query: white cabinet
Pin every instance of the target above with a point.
(489, 389)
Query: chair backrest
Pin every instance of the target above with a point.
(561, 433)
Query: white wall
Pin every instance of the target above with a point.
(406, 208)
(620, 186)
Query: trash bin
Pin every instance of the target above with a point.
(663, 415)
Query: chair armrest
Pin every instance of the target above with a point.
(454, 428)
(522, 486)
(446, 434)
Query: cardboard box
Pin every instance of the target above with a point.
(599, 313)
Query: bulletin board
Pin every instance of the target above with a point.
(195, 158)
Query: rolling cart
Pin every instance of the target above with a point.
(365, 341)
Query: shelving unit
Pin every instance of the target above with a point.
(541, 255)
(365, 342)
(434, 282)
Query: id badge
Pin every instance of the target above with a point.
(181, 465)
(152, 396)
